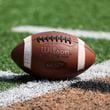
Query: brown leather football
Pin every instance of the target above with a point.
(53, 55)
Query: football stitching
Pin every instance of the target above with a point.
(53, 38)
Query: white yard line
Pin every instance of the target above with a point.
(7, 75)
(29, 90)
(77, 32)
(38, 88)
(97, 71)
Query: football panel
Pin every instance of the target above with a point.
(17, 54)
(90, 58)
(46, 62)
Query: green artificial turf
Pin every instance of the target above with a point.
(81, 14)
(4, 85)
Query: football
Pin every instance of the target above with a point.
(53, 55)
